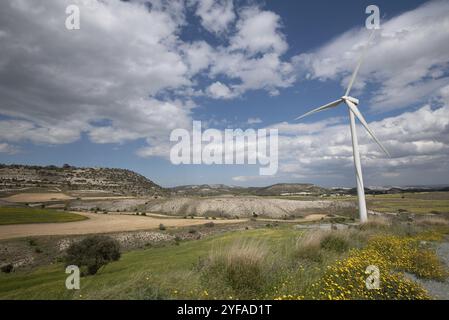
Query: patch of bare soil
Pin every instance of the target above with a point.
(99, 223)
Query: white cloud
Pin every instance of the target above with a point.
(253, 57)
(118, 77)
(418, 141)
(8, 149)
(254, 120)
(251, 178)
(404, 61)
(198, 55)
(258, 31)
(61, 83)
(215, 15)
(19, 130)
(219, 90)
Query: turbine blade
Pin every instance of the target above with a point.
(354, 74)
(326, 106)
(359, 116)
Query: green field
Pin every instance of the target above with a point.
(423, 202)
(177, 271)
(29, 215)
(168, 267)
(419, 202)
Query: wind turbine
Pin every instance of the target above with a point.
(354, 112)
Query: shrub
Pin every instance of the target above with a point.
(192, 231)
(426, 264)
(335, 242)
(209, 224)
(243, 268)
(7, 268)
(93, 252)
(32, 242)
(162, 227)
(308, 245)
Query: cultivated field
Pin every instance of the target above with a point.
(37, 197)
(96, 223)
(14, 216)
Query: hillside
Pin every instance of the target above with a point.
(272, 190)
(116, 181)
(290, 189)
(208, 190)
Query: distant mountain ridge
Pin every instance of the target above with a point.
(272, 190)
(294, 189)
(127, 182)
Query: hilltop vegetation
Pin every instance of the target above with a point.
(66, 178)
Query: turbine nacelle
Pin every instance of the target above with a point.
(352, 99)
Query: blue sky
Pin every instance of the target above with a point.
(110, 93)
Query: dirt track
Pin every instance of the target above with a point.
(99, 223)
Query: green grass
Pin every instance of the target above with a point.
(167, 267)
(177, 271)
(416, 202)
(29, 215)
(426, 202)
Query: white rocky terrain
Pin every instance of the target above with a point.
(243, 206)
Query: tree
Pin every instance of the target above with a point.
(93, 252)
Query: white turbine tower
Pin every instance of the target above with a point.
(354, 112)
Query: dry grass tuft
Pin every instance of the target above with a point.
(432, 221)
(376, 223)
(244, 267)
(308, 245)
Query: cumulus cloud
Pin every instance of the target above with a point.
(254, 120)
(416, 44)
(418, 141)
(8, 148)
(254, 56)
(219, 90)
(259, 31)
(126, 74)
(215, 15)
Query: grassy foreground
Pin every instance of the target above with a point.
(267, 263)
(29, 215)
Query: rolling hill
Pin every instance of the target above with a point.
(67, 178)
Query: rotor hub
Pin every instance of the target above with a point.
(352, 99)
